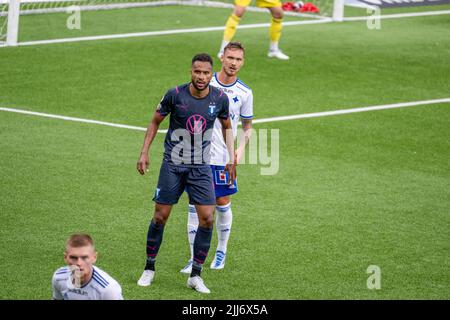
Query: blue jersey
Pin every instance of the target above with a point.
(188, 139)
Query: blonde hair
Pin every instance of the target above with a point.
(78, 240)
(234, 45)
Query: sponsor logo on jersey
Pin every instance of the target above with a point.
(226, 90)
(196, 124)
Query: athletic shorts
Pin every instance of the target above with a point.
(259, 3)
(221, 186)
(173, 180)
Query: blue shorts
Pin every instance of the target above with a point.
(221, 186)
(173, 180)
(220, 182)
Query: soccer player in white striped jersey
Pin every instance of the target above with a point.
(240, 97)
(80, 279)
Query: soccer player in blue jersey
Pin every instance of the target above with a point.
(80, 279)
(240, 98)
(193, 109)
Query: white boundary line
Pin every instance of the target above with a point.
(273, 119)
(400, 15)
(166, 32)
(129, 5)
(354, 110)
(209, 29)
(55, 116)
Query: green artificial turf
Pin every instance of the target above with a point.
(351, 190)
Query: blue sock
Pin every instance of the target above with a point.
(154, 239)
(202, 243)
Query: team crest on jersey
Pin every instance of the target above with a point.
(212, 108)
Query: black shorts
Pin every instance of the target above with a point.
(173, 180)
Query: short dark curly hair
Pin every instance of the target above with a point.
(203, 57)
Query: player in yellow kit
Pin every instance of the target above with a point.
(274, 6)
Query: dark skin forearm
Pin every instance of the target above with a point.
(152, 129)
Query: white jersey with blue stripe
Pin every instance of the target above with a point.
(240, 97)
(100, 287)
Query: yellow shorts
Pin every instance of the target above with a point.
(259, 3)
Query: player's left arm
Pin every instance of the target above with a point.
(227, 133)
(113, 292)
(247, 126)
(246, 114)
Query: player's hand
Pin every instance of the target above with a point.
(231, 169)
(142, 165)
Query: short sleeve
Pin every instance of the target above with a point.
(165, 105)
(113, 292)
(56, 290)
(246, 111)
(224, 110)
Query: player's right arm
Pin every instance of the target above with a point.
(152, 129)
(163, 109)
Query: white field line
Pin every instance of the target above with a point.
(55, 116)
(400, 15)
(273, 119)
(354, 110)
(165, 32)
(114, 6)
(221, 28)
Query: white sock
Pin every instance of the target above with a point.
(192, 225)
(274, 46)
(224, 220)
(224, 43)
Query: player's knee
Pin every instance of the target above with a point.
(277, 13)
(222, 201)
(239, 11)
(206, 221)
(160, 217)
